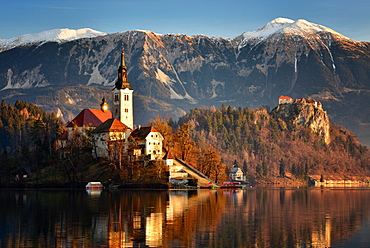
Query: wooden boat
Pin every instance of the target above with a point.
(232, 185)
(94, 185)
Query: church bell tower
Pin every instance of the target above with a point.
(123, 96)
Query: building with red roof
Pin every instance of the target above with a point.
(149, 140)
(289, 100)
(110, 137)
(90, 118)
(112, 130)
(285, 99)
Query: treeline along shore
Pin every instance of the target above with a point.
(271, 148)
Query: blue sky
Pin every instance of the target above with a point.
(209, 17)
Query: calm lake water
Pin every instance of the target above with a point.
(253, 217)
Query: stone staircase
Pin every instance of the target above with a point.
(203, 181)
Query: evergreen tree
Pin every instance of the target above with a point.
(27, 134)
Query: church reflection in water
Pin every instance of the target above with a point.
(258, 217)
(144, 218)
(254, 217)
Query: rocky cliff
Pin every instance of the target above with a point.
(299, 114)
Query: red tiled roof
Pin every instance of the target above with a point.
(285, 97)
(90, 117)
(111, 125)
(142, 132)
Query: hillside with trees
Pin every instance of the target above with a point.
(27, 135)
(28, 145)
(266, 147)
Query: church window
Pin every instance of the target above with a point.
(126, 97)
(126, 110)
(116, 98)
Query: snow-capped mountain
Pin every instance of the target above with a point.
(175, 71)
(55, 35)
(284, 26)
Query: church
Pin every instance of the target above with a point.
(113, 132)
(112, 135)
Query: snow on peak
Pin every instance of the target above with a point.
(281, 20)
(304, 27)
(286, 26)
(54, 35)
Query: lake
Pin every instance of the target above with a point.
(252, 217)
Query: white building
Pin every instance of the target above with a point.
(84, 122)
(236, 174)
(149, 142)
(285, 100)
(110, 137)
(112, 131)
(123, 97)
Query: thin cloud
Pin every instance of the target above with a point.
(66, 7)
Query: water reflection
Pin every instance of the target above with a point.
(258, 217)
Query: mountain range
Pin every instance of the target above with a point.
(67, 70)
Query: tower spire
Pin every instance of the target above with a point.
(123, 64)
(123, 108)
(122, 82)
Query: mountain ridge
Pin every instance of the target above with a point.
(192, 71)
(65, 34)
(54, 35)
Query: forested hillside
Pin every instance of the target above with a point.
(27, 133)
(265, 146)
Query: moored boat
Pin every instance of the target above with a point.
(94, 185)
(232, 185)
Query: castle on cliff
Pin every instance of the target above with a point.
(305, 113)
(289, 100)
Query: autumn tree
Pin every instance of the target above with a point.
(210, 164)
(184, 144)
(162, 125)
